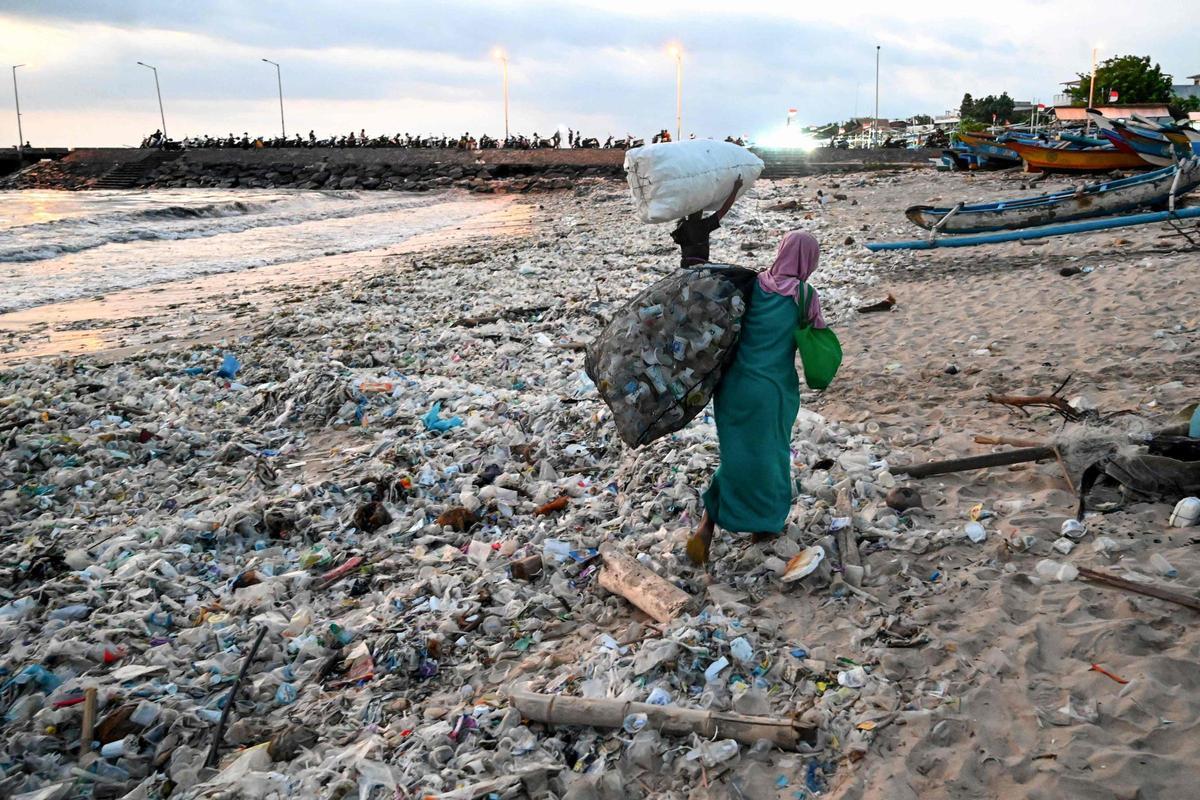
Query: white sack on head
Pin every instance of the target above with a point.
(671, 180)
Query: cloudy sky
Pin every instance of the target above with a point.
(602, 65)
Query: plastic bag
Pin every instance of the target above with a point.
(659, 360)
(672, 180)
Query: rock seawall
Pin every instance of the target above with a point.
(367, 169)
(394, 168)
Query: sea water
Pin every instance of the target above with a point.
(57, 246)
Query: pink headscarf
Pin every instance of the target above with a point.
(797, 259)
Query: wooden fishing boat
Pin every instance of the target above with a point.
(1150, 190)
(1049, 159)
(987, 147)
(1157, 147)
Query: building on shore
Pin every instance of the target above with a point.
(1154, 111)
(1186, 90)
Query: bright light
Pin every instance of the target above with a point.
(675, 51)
(499, 54)
(790, 137)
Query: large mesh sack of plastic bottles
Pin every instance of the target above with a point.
(659, 360)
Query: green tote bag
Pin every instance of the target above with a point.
(820, 350)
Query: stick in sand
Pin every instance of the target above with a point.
(1148, 590)
(219, 733)
(87, 732)
(975, 462)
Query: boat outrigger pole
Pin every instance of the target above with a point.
(1082, 226)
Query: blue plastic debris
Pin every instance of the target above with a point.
(814, 777)
(194, 371)
(434, 422)
(229, 367)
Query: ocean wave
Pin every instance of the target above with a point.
(49, 240)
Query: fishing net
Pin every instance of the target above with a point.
(659, 360)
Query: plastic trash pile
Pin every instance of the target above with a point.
(658, 362)
(410, 505)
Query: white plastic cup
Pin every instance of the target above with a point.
(1073, 529)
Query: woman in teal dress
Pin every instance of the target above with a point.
(757, 402)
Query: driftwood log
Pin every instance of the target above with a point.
(552, 709)
(623, 575)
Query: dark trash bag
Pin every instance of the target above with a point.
(659, 360)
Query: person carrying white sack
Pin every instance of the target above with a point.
(692, 232)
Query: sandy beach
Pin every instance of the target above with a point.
(980, 679)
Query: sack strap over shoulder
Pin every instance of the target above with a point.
(804, 302)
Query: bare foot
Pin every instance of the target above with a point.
(699, 543)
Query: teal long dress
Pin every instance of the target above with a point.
(756, 405)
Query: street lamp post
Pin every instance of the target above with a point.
(677, 52)
(17, 99)
(279, 80)
(875, 122)
(502, 57)
(158, 91)
(1092, 87)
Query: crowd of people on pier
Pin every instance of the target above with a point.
(573, 139)
(467, 141)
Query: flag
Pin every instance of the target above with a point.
(793, 111)
(1041, 106)
(1112, 96)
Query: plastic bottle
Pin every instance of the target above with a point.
(1051, 570)
(715, 668)
(761, 750)
(659, 697)
(25, 707)
(145, 714)
(854, 678)
(634, 723)
(556, 549)
(286, 694)
(714, 753)
(18, 608)
(1162, 566)
(121, 747)
(72, 612)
